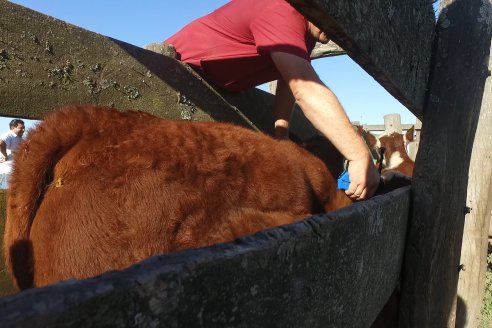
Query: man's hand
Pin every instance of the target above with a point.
(3, 158)
(364, 178)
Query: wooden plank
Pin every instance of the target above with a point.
(479, 201)
(390, 39)
(46, 63)
(440, 178)
(335, 270)
(381, 127)
(327, 50)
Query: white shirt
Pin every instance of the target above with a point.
(12, 140)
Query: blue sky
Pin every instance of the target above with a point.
(141, 23)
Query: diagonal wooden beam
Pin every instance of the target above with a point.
(390, 39)
(46, 63)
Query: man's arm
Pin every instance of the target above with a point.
(3, 151)
(322, 108)
(284, 103)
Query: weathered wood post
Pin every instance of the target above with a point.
(479, 206)
(413, 147)
(392, 123)
(454, 102)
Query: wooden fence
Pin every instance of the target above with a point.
(310, 274)
(330, 265)
(336, 269)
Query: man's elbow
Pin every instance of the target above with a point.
(308, 91)
(302, 90)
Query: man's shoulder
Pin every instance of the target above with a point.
(7, 136)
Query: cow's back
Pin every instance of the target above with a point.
(129, 185)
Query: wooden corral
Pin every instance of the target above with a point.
(336, 269)
(367, 290)
(310, 274)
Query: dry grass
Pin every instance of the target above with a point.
(486, 320)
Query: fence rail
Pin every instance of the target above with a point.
(336, 270)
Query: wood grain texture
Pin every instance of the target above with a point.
(46, 63)
(390, 39)
(460, 70)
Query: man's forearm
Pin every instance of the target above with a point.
(320, 106)
(325, 112)
(284, 103)
(323, 109)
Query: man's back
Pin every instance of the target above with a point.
(231, 46)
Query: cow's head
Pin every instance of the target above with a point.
(391, 147)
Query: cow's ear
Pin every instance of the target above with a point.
(359, 129)
(371, 140)
(366, 135)
(409, 134)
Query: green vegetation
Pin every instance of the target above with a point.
(486, 320)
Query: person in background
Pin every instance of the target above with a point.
(246, 43)
(11, 139)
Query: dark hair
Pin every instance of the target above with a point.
(15, 122)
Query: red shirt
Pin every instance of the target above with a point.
(231, 46)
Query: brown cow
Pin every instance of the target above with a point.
(94, 189)
(392, 148)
